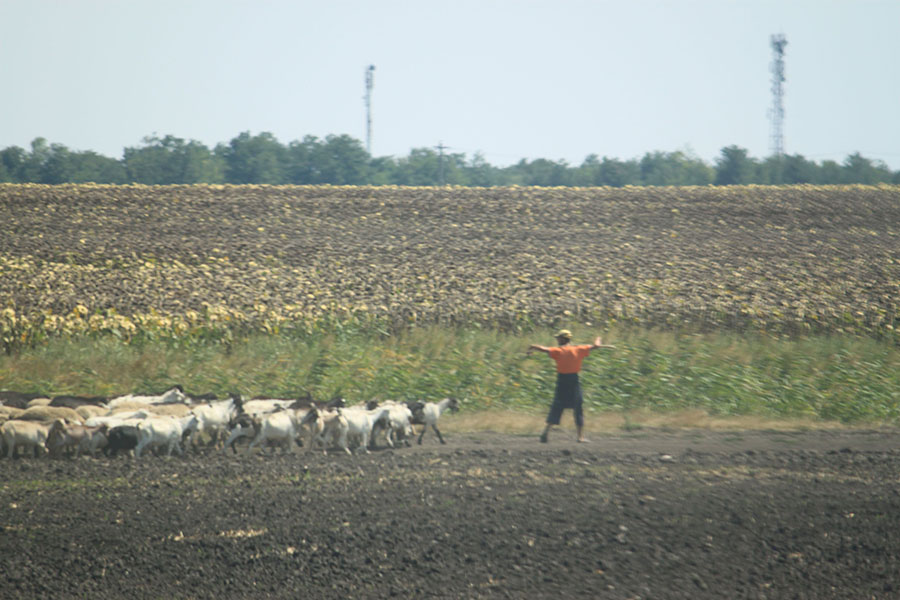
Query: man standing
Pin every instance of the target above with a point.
(568, 359)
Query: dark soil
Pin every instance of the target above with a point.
(647, 514)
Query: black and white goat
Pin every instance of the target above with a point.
(430, 412)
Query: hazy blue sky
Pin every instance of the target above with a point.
(512, 79)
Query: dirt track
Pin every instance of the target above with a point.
(690, 514)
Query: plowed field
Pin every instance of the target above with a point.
(688, 514)
(183, 259)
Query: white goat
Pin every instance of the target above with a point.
(326, 427)
(213, 418)
(64, 436)
(360, 422)
(432, 411)
(246, 422)
(398, 426)
(243, 425)
(163, 432)
(282, 426)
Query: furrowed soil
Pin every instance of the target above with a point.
(641, 514)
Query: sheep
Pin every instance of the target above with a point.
(170, 410)
(126, 406)
(75, 402)
(75, 437)
(29, 434)
(42, 401)
(174, 395)
(163, 432)
(132, 417)
(11, 412)
(13, 399)
(50, 413)
(88, 411)
(265, 405)
(431, 412)
(121, 437)
(160, 410)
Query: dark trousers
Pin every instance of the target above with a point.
(567, 395)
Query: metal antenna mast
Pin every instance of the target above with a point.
(370, 82)
(776, 113)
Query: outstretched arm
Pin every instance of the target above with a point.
(598, 343)
(534, 347)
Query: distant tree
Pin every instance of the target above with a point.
(734, 167)
(32, 169)
(171, 160)
(799, 170)
(830, 173)
(419, 168)
(66, 166)
(200, 164)
(542, 172)
(617, 173)
(673, 168)
(254, 159)
(424, 166)
(58, 165)
(338, 160)
(480, 173)
(299, 166)
(383, 171)
(97, 168)
(857, 169)
(341, 160)
(13, 160)
(788, 169)
(587, 173)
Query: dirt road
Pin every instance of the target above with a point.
(648, 514)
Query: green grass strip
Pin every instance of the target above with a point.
(842, 378)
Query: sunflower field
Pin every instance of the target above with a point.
(216, 261)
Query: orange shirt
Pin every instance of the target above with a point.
(568, 358)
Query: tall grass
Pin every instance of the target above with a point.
(839, 378)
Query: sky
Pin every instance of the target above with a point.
(506, 79)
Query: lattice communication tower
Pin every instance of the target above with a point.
(776, 113)
(370, 83)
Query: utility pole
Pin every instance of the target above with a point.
(370, 83)
(440, 148)
(776, 113)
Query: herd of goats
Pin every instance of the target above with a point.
(75, 425)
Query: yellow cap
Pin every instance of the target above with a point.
(564, 333)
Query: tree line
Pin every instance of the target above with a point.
(342, 160)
